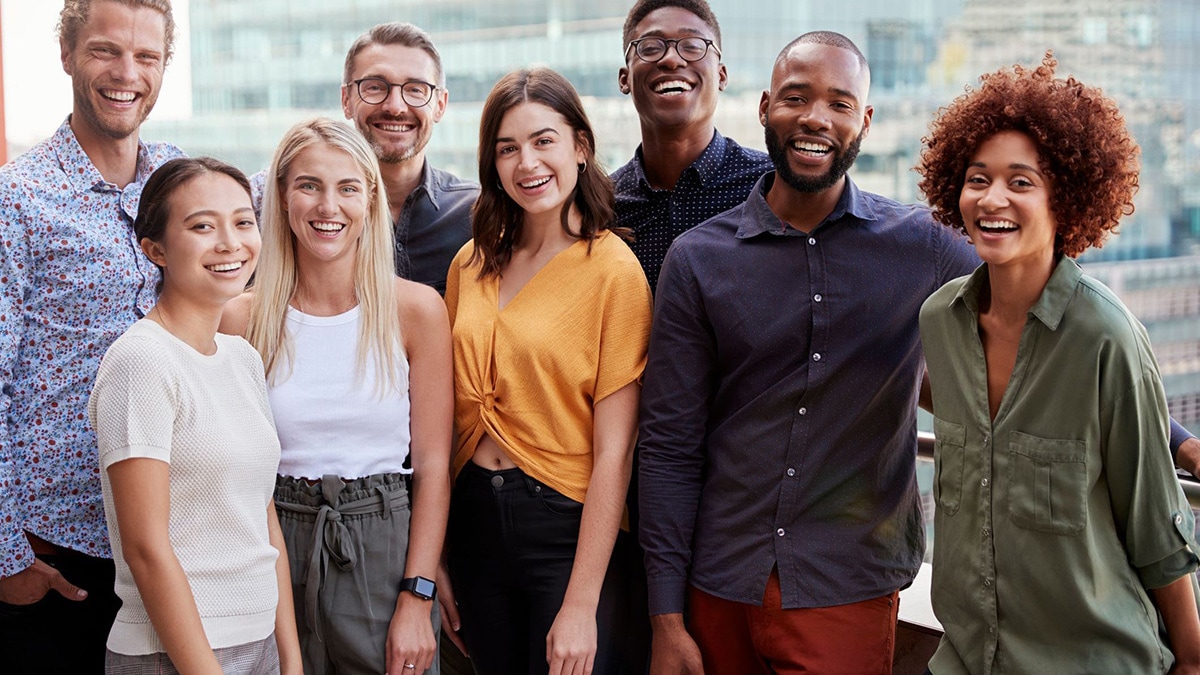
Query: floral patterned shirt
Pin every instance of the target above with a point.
(72, 279)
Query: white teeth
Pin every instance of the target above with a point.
(535, 183)
(805, 146)
(226, 267)
(119, 96)
(395, 127)
(675, 87)
(327, 227)
(1005, 225)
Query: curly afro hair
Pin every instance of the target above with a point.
(1083, 147)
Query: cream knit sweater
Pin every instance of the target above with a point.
(207, 416)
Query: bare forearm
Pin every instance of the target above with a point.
(286, 637)
(598, 528)
(1188, 458)
(431, 507)
(1177, 603)
(169, 603)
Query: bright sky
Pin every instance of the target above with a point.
(37, 94)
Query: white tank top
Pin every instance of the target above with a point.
(329, 421)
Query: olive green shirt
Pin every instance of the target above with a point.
(1053, 520)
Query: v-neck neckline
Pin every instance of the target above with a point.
(496, 281)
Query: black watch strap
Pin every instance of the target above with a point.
(421, 587)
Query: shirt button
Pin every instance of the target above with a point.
(992, 630)
(779, 532)
(816, 357)
(812, 241)
(1178, 519)
(984, 482)
(987, 583)
(791, 472)
(817, 297)
(986, 532)
(803, 411)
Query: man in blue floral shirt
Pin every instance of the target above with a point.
(72, 279)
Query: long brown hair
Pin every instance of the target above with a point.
(496, 219)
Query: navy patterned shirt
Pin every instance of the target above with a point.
(719, 179)
(72, 279)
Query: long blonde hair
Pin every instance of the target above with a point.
(379, 334)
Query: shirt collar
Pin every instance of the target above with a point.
(707, 166)
(1051, 305)
(428, 185)
(852, 202)
(81, 173)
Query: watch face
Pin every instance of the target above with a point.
(424, 588)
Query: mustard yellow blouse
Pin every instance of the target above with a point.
(530, 375)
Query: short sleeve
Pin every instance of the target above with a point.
(626, 313)
(1151, 512)
(452, 279)
(134, 403)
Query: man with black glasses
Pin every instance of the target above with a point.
(684, 171)
(394, 89)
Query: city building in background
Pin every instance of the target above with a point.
(259, 67)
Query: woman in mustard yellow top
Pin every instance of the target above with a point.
(550, 313)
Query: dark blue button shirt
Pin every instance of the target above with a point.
(778, 420)
(434, 224)
(717, 181)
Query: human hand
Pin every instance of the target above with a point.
(571, 642)
(672, 649)
(411, 647)
(451, 623)
(32, 584)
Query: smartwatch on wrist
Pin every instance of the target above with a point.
(421, 587)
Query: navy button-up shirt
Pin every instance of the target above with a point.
(434, 223)
(778, 420)
(717, 181)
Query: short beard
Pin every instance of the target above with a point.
(842, 161)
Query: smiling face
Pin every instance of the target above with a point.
(672, 92)
(209, 246)
(325, 199)
(815, 115)
(538, 158)
(1005, 203)
(396, 131)
(116, 68)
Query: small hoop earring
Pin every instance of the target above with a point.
(583, 167)
(500, 185)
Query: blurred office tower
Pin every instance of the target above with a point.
(259, 67)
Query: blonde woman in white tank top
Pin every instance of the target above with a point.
(359, 372)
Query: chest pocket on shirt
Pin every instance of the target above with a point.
(1047, 484)
(948, 456)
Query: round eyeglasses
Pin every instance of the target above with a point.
(690, 49)
(375, 90)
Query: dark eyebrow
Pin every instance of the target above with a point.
(539, 132)
(212, 213)
(662, 34)
(804, 86)
(1015, 165)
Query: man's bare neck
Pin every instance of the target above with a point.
(667, 153)
(399, 181)
(115, 159)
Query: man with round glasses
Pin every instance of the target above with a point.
(684, 172)
(395, 91)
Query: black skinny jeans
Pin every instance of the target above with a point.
(511, 545)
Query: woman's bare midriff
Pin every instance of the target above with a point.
(489, 455)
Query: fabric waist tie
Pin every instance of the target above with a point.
(331, 537)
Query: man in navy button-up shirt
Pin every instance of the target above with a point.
(778, 432)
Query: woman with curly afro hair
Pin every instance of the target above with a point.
(1063, 541)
